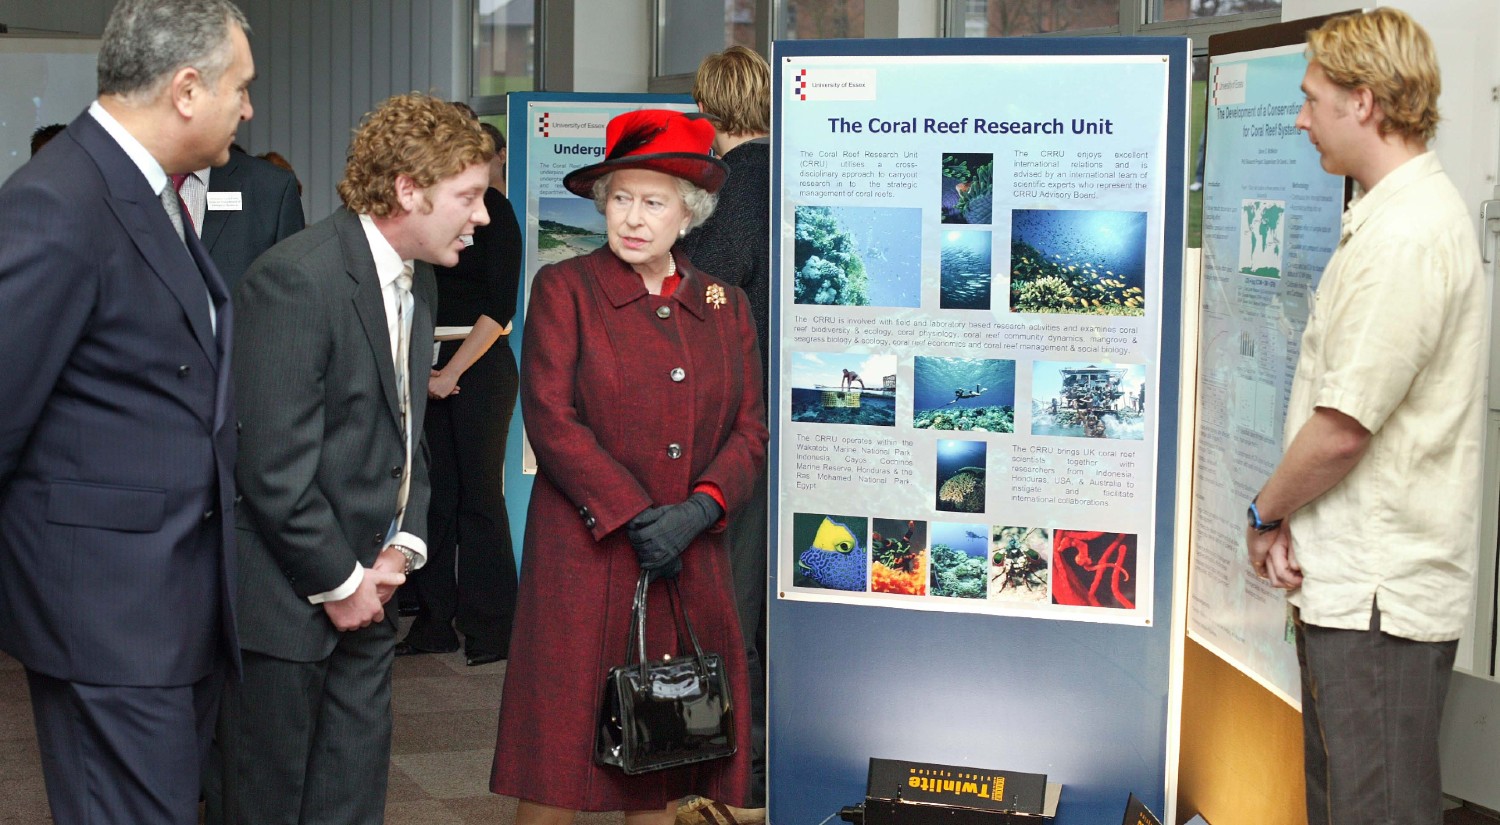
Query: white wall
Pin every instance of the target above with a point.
(611, 46)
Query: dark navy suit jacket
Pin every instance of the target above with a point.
(270, 211)
(117, 440)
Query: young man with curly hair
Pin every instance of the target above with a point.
(333, 350)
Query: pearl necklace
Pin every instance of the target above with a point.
(671, 265)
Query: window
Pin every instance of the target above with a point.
(821, 19)
(1198, 9)
(1005, 18)
(689, 29)
(504, 52)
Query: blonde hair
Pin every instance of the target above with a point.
(735, 87)
(1388, 53)
(416, 135)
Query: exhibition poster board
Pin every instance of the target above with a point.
(963, 572)
(971, 325)
(1271, 220)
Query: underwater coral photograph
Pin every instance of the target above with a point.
(965, 394)
(566, 228)
(960, 475)
(858, 256)
(1082, 400)
(843, 388)
(965, 271)
(1076, 261)
(1093, 569)
(968, 184)
(1019, 557)
(958, 560)
(898, 557)
(830, 551)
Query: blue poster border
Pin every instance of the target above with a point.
(1085, 703)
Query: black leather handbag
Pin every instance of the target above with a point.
(664, 713)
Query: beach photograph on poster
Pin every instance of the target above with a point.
(1086, 400)
(858, 256)
(958, 560)
(964, 394)
(843, 388)
(1093, 569)
(1019, 559)
(965, 274)
(1260, 237)
(968, 188)
(830, 551)
(898, 557)
(1087, 262)
(566, 228)
(960, 475)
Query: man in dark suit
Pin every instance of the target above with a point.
(333, 349)
(116, 436)
(252, 205)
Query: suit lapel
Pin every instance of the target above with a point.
(222, 179)
(139, 210)
(369, 305)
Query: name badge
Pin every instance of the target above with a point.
(225, 202)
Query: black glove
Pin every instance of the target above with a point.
(660, 534)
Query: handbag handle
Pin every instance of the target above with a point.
(638, 623)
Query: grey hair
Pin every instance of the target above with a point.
(700, 202)
(145, 41)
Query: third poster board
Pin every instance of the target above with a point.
(1271, 219)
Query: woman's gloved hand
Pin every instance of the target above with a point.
(660, 534)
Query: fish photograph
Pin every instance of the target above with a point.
(1019, 561)
(858, 256)
(966, 277)
(898, 557)
(830, 552)
(1085, 400)
(1078, 262)
(1093, 569)
(960, 475)
(566, 228)
(958, 560)
(964, 394)
(968, 188)
(843, 388)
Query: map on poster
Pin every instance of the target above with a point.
(1271, 220)
(970, 276)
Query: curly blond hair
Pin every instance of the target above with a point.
(1390, 54)
(416, 135)
(735, 87)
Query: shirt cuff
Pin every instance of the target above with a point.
(344, 590)
(413, 543)
(716, 494)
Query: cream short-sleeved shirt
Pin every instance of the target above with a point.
(1397, 341)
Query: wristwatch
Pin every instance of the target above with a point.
(1256, 522)
(406, 553)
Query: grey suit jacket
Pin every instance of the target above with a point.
(270, 211)
(321, 449)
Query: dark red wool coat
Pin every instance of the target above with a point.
(615, 433)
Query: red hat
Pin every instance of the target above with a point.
(660, 140)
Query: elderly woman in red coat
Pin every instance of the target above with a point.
(640, 388)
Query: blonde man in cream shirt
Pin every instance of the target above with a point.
(1370, 521)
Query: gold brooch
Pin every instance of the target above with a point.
(715, 295)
